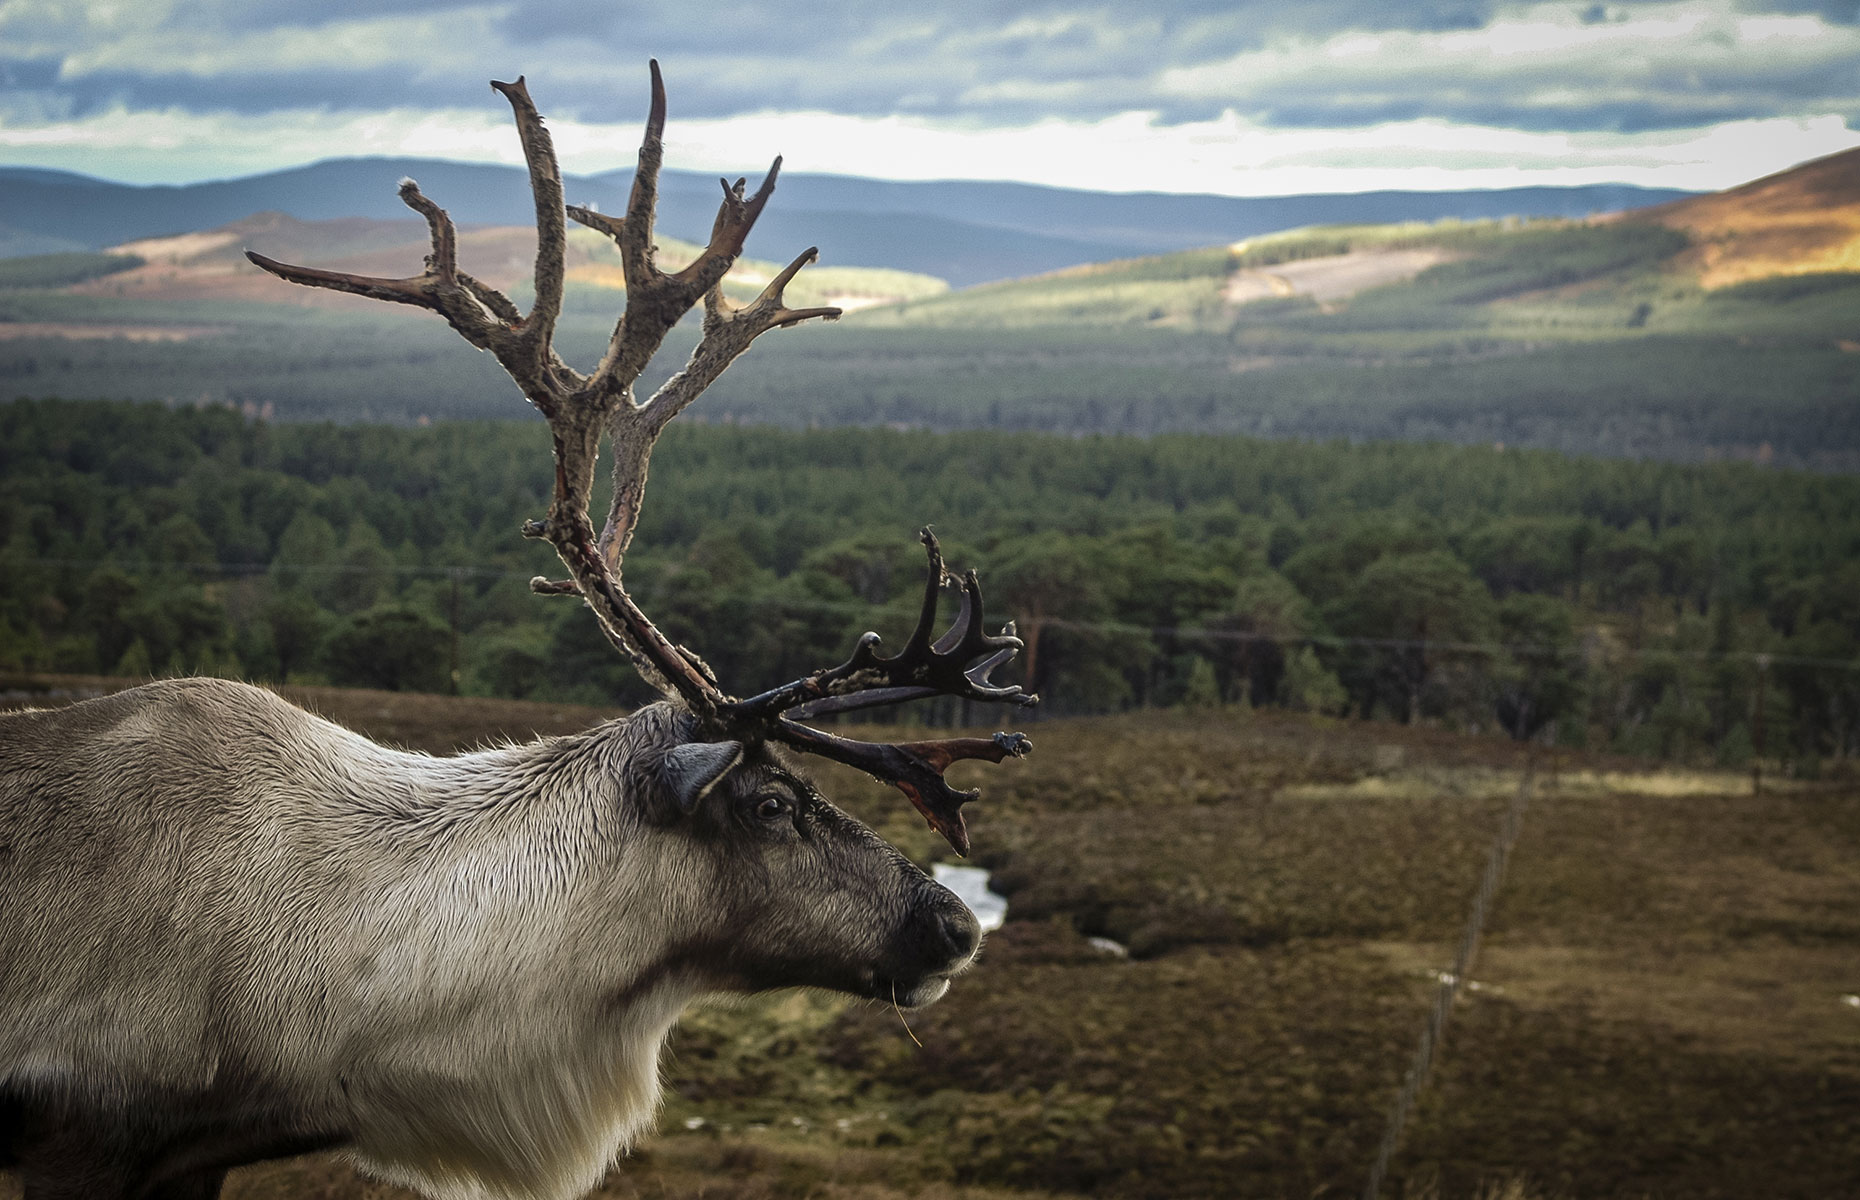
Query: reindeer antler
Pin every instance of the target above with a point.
(582, 409)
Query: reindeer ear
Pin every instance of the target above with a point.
(691, 770)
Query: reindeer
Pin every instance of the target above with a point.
(231, 931)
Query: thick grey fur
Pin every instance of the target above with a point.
(231, 930)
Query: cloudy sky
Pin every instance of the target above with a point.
(1226, 96)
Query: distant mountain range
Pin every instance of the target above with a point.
(964, 232)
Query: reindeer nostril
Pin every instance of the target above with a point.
(962, 933)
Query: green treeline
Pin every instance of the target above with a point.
(1698, 612)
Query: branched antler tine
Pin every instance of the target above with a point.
(979, 673)
(635, 236)
(396, 291)
(728, 331)
(441, 288)
(655, 301)
(613, 227)
(643, 200)
(771, 311)
(974, 640)
(952, 637)
(499, 305)
(732, 200)
(444, 260)
(965, 630)
(582, 409)
(551, 222)
(735, 218)
(459, 310)
(919, 671)
(441, 263)
(914, 768)
(919, 644)
(785, 276)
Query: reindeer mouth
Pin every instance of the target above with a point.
(915, 993)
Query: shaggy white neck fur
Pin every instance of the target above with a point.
(542, 1130)
(480, 1072)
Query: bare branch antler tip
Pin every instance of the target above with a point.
(283, 271)
(1017, 744)
(655, 117)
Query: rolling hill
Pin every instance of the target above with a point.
(211, 265)
(1798, 222)
(965, 232)
(1707, 328)
(1805, 221)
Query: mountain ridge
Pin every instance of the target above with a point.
(1805, 220)
(964, 231)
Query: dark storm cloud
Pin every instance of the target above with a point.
(963, 58)
(265, 91)
(981, 61)
(1679, 96)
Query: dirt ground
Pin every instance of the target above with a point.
(1667, 1002)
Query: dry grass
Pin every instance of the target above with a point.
(1660, 1009)
(1800, 222)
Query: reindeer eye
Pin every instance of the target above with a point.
(772, 808)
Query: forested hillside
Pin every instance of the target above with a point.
(1591, 339)
(1690, 611)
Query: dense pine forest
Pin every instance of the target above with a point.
(1695, 612)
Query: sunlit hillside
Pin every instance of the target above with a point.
(210, 265)
(1714, 329)
(1554, 278)
(1799, 222)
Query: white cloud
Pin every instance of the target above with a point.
(1686, 93)
(174, 146)
(1686, 56)
(1130, 152)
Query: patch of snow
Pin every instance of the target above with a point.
(971, 887)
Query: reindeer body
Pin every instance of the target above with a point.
(231, 930)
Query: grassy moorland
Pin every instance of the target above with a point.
(1664, 1005)
(1717, 327)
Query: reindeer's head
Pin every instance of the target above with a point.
(795, 893)
(719, 784)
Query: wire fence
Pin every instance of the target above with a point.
(1178, 633)
(1434, 1032)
